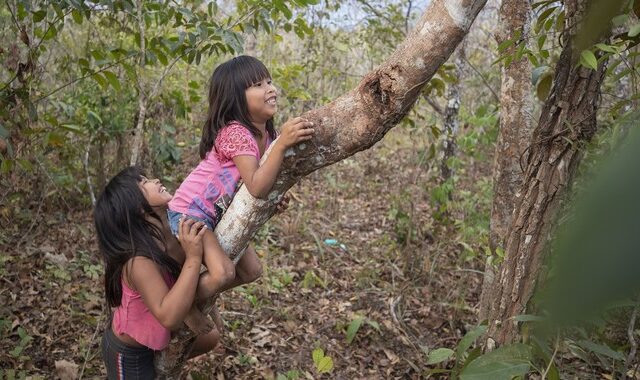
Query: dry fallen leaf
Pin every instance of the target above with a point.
(66, 370)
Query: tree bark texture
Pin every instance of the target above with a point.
(351, 123)
(516, 102)
(567, 121)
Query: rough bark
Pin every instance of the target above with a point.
(515, 133)
(351, 123)
(567, 121)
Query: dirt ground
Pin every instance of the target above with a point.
(358, 247)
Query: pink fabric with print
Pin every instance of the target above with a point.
(215, 179)
(133, 318)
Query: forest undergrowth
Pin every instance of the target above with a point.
(357, 267)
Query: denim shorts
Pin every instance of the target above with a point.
(174, 220)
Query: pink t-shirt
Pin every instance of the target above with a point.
(133, 318)
(215, 180)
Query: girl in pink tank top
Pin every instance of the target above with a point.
(151, 290)
(238, 130)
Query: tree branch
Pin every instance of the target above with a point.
(484, 80)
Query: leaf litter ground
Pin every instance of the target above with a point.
(358, 243)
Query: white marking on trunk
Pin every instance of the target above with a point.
(460, 14)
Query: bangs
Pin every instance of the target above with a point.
(250, 70)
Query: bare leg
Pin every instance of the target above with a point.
(198, 322)
(248, 269)
(220, 270)
(204, 343)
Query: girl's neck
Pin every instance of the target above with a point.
(262, 127)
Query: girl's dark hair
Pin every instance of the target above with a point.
(227, 100)
(124, 231)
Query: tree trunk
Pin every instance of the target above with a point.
(567, 122)
(451, 122)
(353, 122)
(142, 106)
(515, 133)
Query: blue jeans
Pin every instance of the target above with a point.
(174, 219)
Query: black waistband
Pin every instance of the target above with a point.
(121, 346)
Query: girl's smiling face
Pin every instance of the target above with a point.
(262, 99)
(154, 192)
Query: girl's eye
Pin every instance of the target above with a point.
(257, 84)
(269, 81)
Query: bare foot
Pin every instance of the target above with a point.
(198, 322)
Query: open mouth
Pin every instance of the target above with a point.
(271, 101)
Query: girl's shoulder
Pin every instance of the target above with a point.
(235, 139)
(139, 268)
(234, 127)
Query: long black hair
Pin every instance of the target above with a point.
(124, 231)
(227, 99)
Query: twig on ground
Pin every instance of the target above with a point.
(632, 341)
(85, 162)
(88, 349)
(555, 351)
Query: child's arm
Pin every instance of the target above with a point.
(170, 306)
(259, 179)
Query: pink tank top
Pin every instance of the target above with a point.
(133, 318)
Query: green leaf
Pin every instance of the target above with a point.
(5, 166)
(588, 59)
(620, 20)
(317, 355)
(77, 16)
(601, 349)
(325, 365)
(502, 363)
(373, 324)
(39, 15)
(83, 62)
(468, 340)
(25, 164)
(544, 86)
(72, 127)
(113, 80)
(439, 355)
(100, 80)
(51, 33)
(54, 140)
(543, 17)
(607, 48)
(4, 133)
(94, 118)
(634, 30)
(353, 328)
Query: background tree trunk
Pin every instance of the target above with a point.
(136, 147)
(516, 104)
(568, 120)
(349, 124)
(451, 120)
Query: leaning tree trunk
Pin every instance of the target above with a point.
(349, 124)
(567, 122)
(515, 133)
